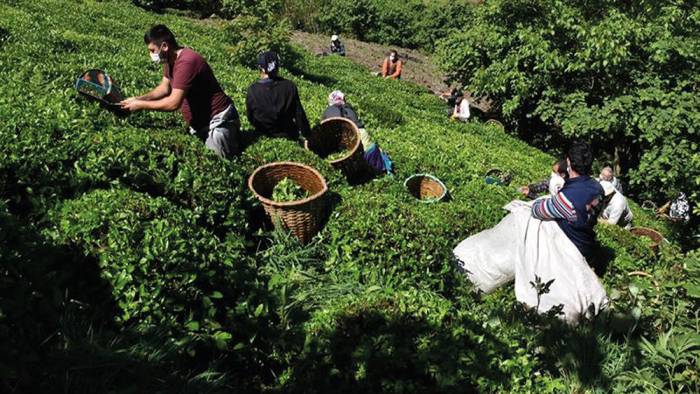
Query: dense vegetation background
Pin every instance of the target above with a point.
(621, 75)
(132, 259)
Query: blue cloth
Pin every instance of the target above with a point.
(581, 191)
(378, 160)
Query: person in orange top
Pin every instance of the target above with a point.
(392, 66)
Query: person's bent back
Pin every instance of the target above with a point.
(189, 84)
(273, 106)
(573, 207)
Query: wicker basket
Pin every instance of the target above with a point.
(425, 187)
(649, 233)
(303, 217)
(495, 176)
(494, 122)
(97, 85)
(334, 134)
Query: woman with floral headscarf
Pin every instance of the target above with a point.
(337, 107)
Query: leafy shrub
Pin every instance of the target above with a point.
(163, 269)
(251, 34)
(201, 7)
(177, 167)
(623, 76)
(157, 225)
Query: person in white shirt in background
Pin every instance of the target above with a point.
(617, 211)
(553, 184)
(461, 111)
(607, 174)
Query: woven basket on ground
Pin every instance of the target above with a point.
(495, 123)
(303, 217)
(336, 134)
(495, 176)
(654, 235)
(425, 187)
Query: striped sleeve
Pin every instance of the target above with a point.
(553, 208)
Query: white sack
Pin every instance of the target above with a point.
(521, 247)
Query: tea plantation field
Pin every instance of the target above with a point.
(132, 258)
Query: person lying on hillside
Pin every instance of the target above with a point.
(607, 174)
(273, 105)
(189, 84)
(338, 107)
(461, 109)
(337, 47)
(392, 66)
(542, 246)
(552, 185)
(615, 207)
(574, 206)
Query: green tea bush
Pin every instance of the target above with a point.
(163, 269)
(174, 166)
(128, 244)
(251, 34)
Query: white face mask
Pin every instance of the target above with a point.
(155, 58)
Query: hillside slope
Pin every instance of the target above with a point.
(183, 290)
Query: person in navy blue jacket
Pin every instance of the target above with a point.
(574, 207)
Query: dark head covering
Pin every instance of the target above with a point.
(269, 62)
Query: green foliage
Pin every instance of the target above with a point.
(287, 190)
(622, 75)
(163, 269)
(670, 364)
(251, 34)
(412, 24)
(133, 259)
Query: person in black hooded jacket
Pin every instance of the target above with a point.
(273, 106)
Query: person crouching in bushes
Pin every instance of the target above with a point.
(461, 110)
(336, 47)
(189, 84)
(338, 107)
(574, 207)
(552, 185)
(273, 105)
(544, 244)
(392, 66)
(615, 207)
(607, 174)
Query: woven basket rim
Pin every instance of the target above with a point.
(288, 204)
(649, 230)
(432, 177)
(358, 141)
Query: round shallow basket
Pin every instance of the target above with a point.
(303, 217)
(494, 122)
(654, 235)
(335, 134)
(425, 187)
(495, 176)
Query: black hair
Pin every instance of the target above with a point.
(159, 34)
(581, 157)
(561, 163)
(394, 52)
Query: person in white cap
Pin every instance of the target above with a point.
(337, 47)
(607, 174)
(616, 211)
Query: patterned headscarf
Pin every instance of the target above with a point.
(336, 98)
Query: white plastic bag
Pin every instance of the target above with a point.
(522, 248)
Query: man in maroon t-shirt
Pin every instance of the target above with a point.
(189, 85)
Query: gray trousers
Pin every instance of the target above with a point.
(222, 135)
